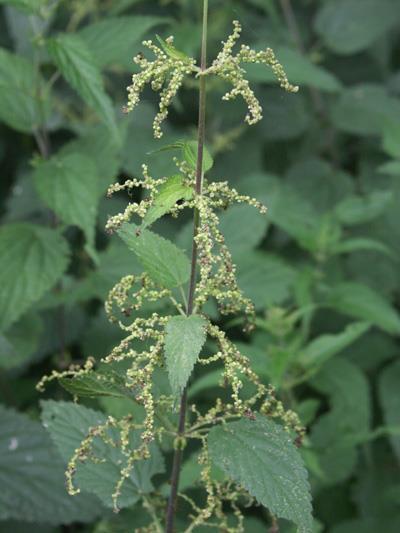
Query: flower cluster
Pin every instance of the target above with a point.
(217, 270)
(152, 187)
(165, 74)
(228, 66)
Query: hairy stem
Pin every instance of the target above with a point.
(176, 467)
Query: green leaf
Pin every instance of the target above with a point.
(114, 40)
(365, 109)
(29, 6)
(348, 392)
(265, 279)
(20, 342)
(189, 153)
(23, 102)
(349, 416)
(286, 115)
(122, 5)
(171, 51)
(68, 185)
(319, 183)
(307, 410)
(165, 263)
(96, 143)
(145, 145)
(32, 477)
(359, 301)
(79, 68)
(349, 26)
(169, 194)
(391, 168)
(36, 259)
(260, 456)
(391, 138)
(318, 351)
(237, 236)
(355, 210)
(389, 380)
(69, 423)
(185, 337)
(96, 384)
(299, 68)
(189, 150)
(113, 264)
(292, 213)
(360, 244)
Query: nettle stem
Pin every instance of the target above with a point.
(176, 467)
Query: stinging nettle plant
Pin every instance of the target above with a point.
(246, 446)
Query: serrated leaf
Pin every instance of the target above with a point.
(260, 455)
(77, 65)
(359, 301)
(185, 337)
(171, 51)
(96, 384)
(299, 69)
(68, 185)
(318, 351)
(21, 107)
(36, 258)
(114, 39)
(349, 26)
(189, 153)
(165, 263)
(69, 423)
(32, 476)
(389, 380)
(173, 190)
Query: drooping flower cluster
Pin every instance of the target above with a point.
(167, 72)
(228, 66)
(165, 75)
(217, 270)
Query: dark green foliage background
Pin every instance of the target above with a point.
(322, 268)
